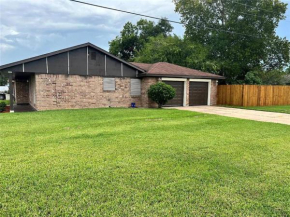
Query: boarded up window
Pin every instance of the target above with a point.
(135, 87)
(109, 84)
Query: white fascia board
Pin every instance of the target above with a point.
(200, 80)
(174, 79)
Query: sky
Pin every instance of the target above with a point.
(33, 27)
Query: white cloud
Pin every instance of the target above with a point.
(39, 17)
(6, 32)
(5, 47)
(34, 25)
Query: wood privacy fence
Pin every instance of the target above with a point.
(253, 95)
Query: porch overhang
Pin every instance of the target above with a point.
(15, 76)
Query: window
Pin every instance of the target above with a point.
(135, 87)
(109, 84)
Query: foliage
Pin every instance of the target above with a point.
(156, 162)
(3, 79)
(133, 37)
(173, 49)
(273, 77)
(161, 93)
(255, 47)
(2, 106)
(253, 77)
(6, 101)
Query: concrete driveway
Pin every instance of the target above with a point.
(272, 117)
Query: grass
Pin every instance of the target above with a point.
(279, 109)
(6, 101)
(141, 162)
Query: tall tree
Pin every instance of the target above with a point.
(240, 35)
(176, 50)
(133, 37)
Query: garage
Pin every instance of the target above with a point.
(179, 88)
(198, 93)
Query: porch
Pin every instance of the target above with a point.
(22, 92)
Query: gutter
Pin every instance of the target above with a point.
(182, 76)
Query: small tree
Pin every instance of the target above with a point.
(161, 93)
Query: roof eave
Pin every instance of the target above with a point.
(182, 76)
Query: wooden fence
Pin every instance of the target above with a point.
(253, 95)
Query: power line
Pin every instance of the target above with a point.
(128, 12)
(157, 18)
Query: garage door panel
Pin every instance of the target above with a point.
(198, 93)
(179, 88)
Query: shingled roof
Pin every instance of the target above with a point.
(172, 70)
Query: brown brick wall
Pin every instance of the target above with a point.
(74, 91)
(213, 96)
(22, 92)
(146, 83)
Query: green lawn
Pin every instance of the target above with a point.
(141, 162)
(280, 108)
(6, 101)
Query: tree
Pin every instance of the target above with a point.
(273, 77)
(161, 93)
(240, 36)
(3, 80)
(133, 37)
(173, 49)
(253, 77)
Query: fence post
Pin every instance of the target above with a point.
(243, 95)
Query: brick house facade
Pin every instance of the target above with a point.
(50, 92)
(86, 76)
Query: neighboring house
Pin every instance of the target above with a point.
(3, 89)
(86, 76)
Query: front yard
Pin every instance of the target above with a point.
(141, 162)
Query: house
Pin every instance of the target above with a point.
(86, 76)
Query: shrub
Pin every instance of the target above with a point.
(2, 106)
(161, 93)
